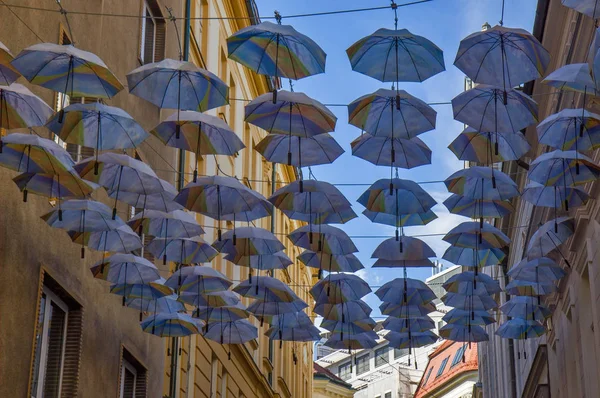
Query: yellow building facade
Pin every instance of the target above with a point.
(259, 368)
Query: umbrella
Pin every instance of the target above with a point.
(502, 56)
(338, 288)
(393, 152)
(182, 250)
(28, 153)
(290, 320)
(530, 288)
(390, 113)
(478, 208)
(457, 316)
(248, 241)
(549, 236)
(199, 133)
(489, 148)
(276, 50)
(20, 108)
(525, 307)
(491, 108)
(125, 269)
(261, 308)
(396, 56)
(162, 201)
(334, 217)
(396, 196)
(147, 291)
(68, 70)
(554, 196)
(328, 239)
(469, 333)
(198, 280)
(354, 327)
(299, 151)
(478, 235)
(564, 168)
(405, 252)
(225, 313)
(301, 333)
(174, 224)
(278, 260)
(469, 302)
(8, 73)
(235, 332)
(571, 129)
(406, 311)
(472, 257)
(309, 197)
(171, 325)
(213, 299)
(163, 305)
(520, 329)
(470, 283)
(401, 220)
(541, 269)
(120, 240)
(591, 8)
(266, 288)
(346, 312)
(64, 186)
(352, 342)
(482, 183)
(330, 262)
(178, 85)
(401, 290)
(573, 77)
(410, 339)
(414, 325)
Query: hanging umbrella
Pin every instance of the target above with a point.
(554, 196)
(338, 288)
(302, 333)
(178, 85)
(260, 308)
(474, 234)
(470, 283)
(20, 108)
(393, 152)
(542, 269)
(571, 129)
(199, 133)
(401, 290)
(406, 311)
(290, 320)
(591, 8)
(328, 217)
(8, 73)
(549, 236)
(521, 329)
(405, 252)
(396, 56)
(226, 313)
(478, 208)
(235, 332)
(525, 307)
(147, 291)
(248, 241)
(309, 197)
(64, 185)
(299, 151)
(573, 77)
(470, 257)
(414, 325)
(352, 342)
(457, 316)
(125, 269)
(276, 50)
(491, 108)
(119, 240)
(163, 305)
(391, 113)
(266, 288)
(28, 153)
(171, 325)
(400, 220)
(482, 183)
(174, 224)
(410, 339)
(278, 260)
(530, 288)
(330, 262)
(198, 280)
(213, 299)
(328, 239)
(162, 201)
(488, 148)
(182, 250)
(396, 196)
(354, 327)
(460, 333)
(469, 302)
(563, 168)
(502, 56)
(68, 70)
(345, 312)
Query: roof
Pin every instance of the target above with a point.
(452, 367)
(319, 371)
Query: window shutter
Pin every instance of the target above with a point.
(148, 39)
(160, 40)
(72, 359)
(128, 384)
(55, 348)
(141, 383)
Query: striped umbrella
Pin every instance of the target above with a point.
(563, 168)
(328, 239)
(476, 235)
(330, 262)
(487, 148)
(235, 332)
(525, 307)
(571, 129)
(406, 311)
(64, 186)
(299, 151)
(171, 325)
(554, 196)
(345, 312)
(405, 252)
(573, 77)
(549, 236)
(162, 201)
(339, 288)
(478, 208)
(125, 269)
(405, 290)
(182, 250)
(469, 302)
(393, 152)
(8, 73)
(146, 291)
(521, 329)
(483, 183)
(68, 70)
(266, 288)
(198, 280)
(20, 108)
(460, 333)
(119, 240)
(410, 340)
(472, 257)
(414, 325)
(28, 153)
(457, 316)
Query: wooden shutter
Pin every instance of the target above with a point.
(160, 40)
(148, 39)
(55, 350)
(128, 384)
(141, 384)
(72, 357)
(147, 255)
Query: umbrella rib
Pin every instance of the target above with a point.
(44, 66)
(88, 64)
(369, 48)
(262, 56)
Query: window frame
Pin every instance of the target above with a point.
(379, 357)
(458, 356)
(127, 366)
(146, 10)
(442, 367)
(427, 376)
(345, 366)
(358, 362)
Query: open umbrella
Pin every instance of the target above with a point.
(414, 325)
(171, 325)
(555, 196)
(28, 153)
(299, 151)
(174, 224)
(328, 239)
(396, 196)
(530, 288)
(162, 201)
(541, 269)
(277, 260)
(20, 108)
(198, 280)
(393, 152)
(330, 262)
(406, 311)
(571, 129)
(573, 77)
(8, 73)
(405, 252)
(487, 147)
(345, 312)
(591, 8)
(234, 332)
(309, 197)
(483, 183)
(473, 257)
(213, 299)
(525, 307)
(225, 313)
(474, 234)
(478, 208)
(549, 236)
(469, 302)
(469, 333)
(352, 342)
(64, 185)
(248, 241)
(289, 320)
(338, 288)
(563, 168)
(164, 305)
(125, 269)
(521, 329)
(301, 333)
(400, 220)
(147, 291)
(119, 240)
(266, 288)
(349, 328)
(457, 316)
(400, 290)
(261, 308)
(410, 340)
(182, 250)
(470, 283)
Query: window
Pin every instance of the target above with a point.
(362, 364)
(128, 380)
(377, 396)
(132, 382)
(388, 395)
(152, 37)
(442, 366)
(459, 355)
(427, 377)
(400, 352)
(381, 356)
(344, 371)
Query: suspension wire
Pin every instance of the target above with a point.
(64, 13)
(8, 6)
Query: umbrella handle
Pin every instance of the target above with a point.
(25, 195)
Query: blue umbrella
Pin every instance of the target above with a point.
(393, 152)
(573, 77)
(301, 333)
(235, 332)
(334, 217)
(289, 320)
(478, 208)
(248, 241)
(525, 307)
(261, 308)
(299, 151)
(530, 288)
(182, 250)
(555, 196)
(352, 342)
(469, 333)
(404, 325)
(488, 147)
(396, 196)
(549, 236)
(164, 305)
(277, 260)
(339, 288)
(345, 312)
(482, 183)
(213, 299)
(520, 329)
(563, 168)
(120, 240)
(171, 325)
(591, 8)
(348, 328)
(28, 153)
(62, 186)
(406, 311)
(571, 129)
(410, 339)
(310, 196)
(476, 235)
(330, 262)
(225, 313)
(472, 257)
(400, 220)
(198, 280)
(540, 269)
(457, 316)
(125, 269)
(405, 290)
(20, 108)
(266, 288)
(8, 73)
(162, 201)
(471, 283)
(147, 290)
(327, 239)
(469, 302)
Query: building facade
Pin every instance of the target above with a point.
(328, 385)
(564, 362)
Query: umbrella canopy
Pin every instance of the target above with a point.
(478, 208)
(549, 236)
(20, 108)
(405, 325)
(28, 153)
(396, 196)
(299, 151)
(335, 217)
(276, 50)
(471, 283)
(482, 183)
(328, 239)
(573, 77)
(391, 113)
(235, 332)
(457, 316)
(591, 8)
(162, 201)
(277, 260)
(488, 148)
(521, 329)
(78, 215)
(248, 241)
(405, 252)
(120, 240)
(554, 196)
(571, 129)
(301, 333)
(502, 56)
(182, 250)
(198, 280)
(525, 307)
(530, 288)
(469, 302)
(174, 224)
(164, 305)
(406, 311)
(261, 308)
(65, 185)
(403, 290)
(125, 269)
(393, 152)
(266, 288)
(410, 339)
(309, 197)
(226, 313)
(68, 70)
(352, 342)
(401, 220)
(213, 299)
(339, 288)
(469, 333)
(147, 291)
(484, 108)
(290, 320)
(396, 56)
(8, 73)
(178, 85)
(171, 325)
(563, 168)
(97, 126)
(330, 262)
(476, 235)
(291, 114)
(470, 257)
(541, 269)
(346, 312)
(354, 327)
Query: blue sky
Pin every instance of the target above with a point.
(445, 22)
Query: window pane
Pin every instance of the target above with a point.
(381, 356)
(344, 371)
(388, 395)
(55, 335)
(400, 352)
(128, 384)
(442, 366)
(362, 364)
(38, 345)
(149, 29)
